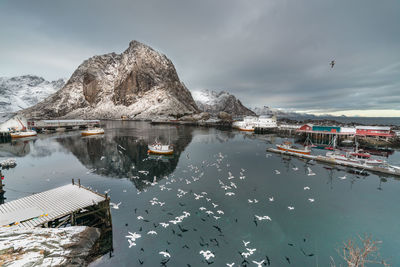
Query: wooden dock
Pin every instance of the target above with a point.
(5, 137)
(41, 125)
(327, 160)
(71, 204)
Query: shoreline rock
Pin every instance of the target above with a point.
(47, 246)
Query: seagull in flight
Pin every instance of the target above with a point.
(165, 254)
(277, 172)
(306, 188)
(115, 206)
(230, 264)
(332, 63)
(246, 243)
(151, 232)
(271, 199)
(343, 177)
(131, 243)
(310, 172)
(311, 199)
(291, 208)
(259, 264)
(207, 254)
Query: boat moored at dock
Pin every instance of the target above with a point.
(23, 134)
(92, 131)
(287, 146)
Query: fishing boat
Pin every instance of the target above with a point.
(246, 128)
(92, 131)
(287, 146)
(158, 148)
(355, 157)
(23, 134)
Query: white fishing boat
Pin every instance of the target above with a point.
(287, 146)
(355, 157)
(23, 134)
(158, 148)
(246, 128)
(92, 131)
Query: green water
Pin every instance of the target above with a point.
(204, 158)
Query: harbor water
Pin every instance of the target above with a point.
(219, 183)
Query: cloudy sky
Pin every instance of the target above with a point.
(267, 52)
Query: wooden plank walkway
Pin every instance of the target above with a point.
(47, 206)
(391, 170)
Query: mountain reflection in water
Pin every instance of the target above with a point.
(119, 155)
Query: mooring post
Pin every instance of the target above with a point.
(73, 181)
(79, 182)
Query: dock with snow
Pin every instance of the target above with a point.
(386, 169)
(41, 125)
(68, 205)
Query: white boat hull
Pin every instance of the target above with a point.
(160, 149)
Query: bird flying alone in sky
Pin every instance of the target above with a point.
(332, 64)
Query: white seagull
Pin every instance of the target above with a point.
(291, 208)
(311, 199)
(115, 206)
(151, 232)
(165, 254)
(306, 188)
(342, 177)
(277, 172)
(310, 172)
(207, 254)
(246, 243)
(131, 243)
(259, 264)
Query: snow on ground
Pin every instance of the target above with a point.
(46, 246)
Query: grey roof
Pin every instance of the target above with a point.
(34, 210)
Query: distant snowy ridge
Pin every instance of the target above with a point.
(21, 92)
(214, 102)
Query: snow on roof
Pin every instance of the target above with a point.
(382, 128)
(69, 121)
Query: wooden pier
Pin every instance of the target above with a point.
(52, 125)
(67, 205)
(5, 137)
(327, 160)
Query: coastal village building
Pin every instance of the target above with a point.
(360, 131)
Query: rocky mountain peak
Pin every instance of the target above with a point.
(139, 83)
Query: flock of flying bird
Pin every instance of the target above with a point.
(209, 211)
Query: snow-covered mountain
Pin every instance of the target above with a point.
(214, 102)
(139, 83)
(282, 113)
(21, 92)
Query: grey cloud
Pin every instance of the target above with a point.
(274, 53)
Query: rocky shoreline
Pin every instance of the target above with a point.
(70, 246)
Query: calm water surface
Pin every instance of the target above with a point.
(206, 160)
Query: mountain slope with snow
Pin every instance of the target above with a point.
(21, 92)
(139, 83)
(214, 102)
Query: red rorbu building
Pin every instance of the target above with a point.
(374, 131)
